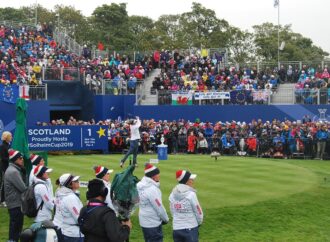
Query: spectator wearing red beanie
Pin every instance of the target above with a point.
(152, 214)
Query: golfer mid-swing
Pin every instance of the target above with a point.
(134, 125)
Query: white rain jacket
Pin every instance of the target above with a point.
(31, 176)
(185, 208)
(44, 192)
(108, 198)
(152, 212)
(68, 205)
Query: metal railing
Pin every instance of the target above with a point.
(241, 97)
(38, 92)
(287, 96)
(271, 66)
(112, 87)
(16, 24)
(61, 73)
(62, 38)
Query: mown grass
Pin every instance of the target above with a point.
(244, 199)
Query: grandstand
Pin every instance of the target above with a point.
(67, 81)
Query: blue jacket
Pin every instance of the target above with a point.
(322, 135)
(227, 143)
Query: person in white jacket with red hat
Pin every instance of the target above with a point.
(152, 214)
(43, 192)
(185, 208)
(103, 173)
(36, 160)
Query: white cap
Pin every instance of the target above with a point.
(67, 178)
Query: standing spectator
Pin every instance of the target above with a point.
(97, 221)
(134, 125)
(192, 140)
(103, 173)
(68, 205)
(14, 187)
(35, 161)
(185, 208)
(202, 144)
(322, 136)
(152, 214)
(43, 191)
(4, 156)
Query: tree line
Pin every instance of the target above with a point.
(200, 27)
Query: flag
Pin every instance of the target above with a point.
(181, 98)
(8, 93)
(238, 97)
(100, 46)
(24, 92)
(276, 3)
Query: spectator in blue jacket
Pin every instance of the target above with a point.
(322, 136)
(228, 143)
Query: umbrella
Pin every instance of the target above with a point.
(20, 141)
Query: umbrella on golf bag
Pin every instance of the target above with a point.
(124, 194)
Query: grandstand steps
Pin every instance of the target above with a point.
(148, 98)
(284, 94)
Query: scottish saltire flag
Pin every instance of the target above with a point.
(276, 3)
(9, 93)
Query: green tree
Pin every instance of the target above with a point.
(297, 46)
(168, 32)
(202, 26)
(72, 20)
(110, 25)
(241, 47)
(142, 32)
(13, 14)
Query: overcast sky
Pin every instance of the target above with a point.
(310, 18)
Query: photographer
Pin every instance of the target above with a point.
(97, 221)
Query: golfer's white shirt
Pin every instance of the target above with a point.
(135, 133)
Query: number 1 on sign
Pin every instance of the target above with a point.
(89, 132)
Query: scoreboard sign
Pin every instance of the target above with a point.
(89, 137)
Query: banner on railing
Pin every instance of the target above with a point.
(9, 93)
(182, 98)
(89, 137)
(211, 95)
(260, 95)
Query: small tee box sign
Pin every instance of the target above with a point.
(154, 161)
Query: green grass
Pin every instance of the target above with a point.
(244, 199)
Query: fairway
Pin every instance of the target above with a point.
(244, 199)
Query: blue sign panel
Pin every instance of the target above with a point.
(89, 137)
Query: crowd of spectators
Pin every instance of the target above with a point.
(197, 73)
(312, 84)
(275, 138)
(26, 52)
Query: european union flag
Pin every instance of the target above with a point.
(237, 97)
(9, 93)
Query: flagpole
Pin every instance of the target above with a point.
(278, 34)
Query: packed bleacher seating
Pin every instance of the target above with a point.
(279, 139)
(29, 55)
(195, 73)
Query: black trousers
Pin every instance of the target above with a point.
(16, 219)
